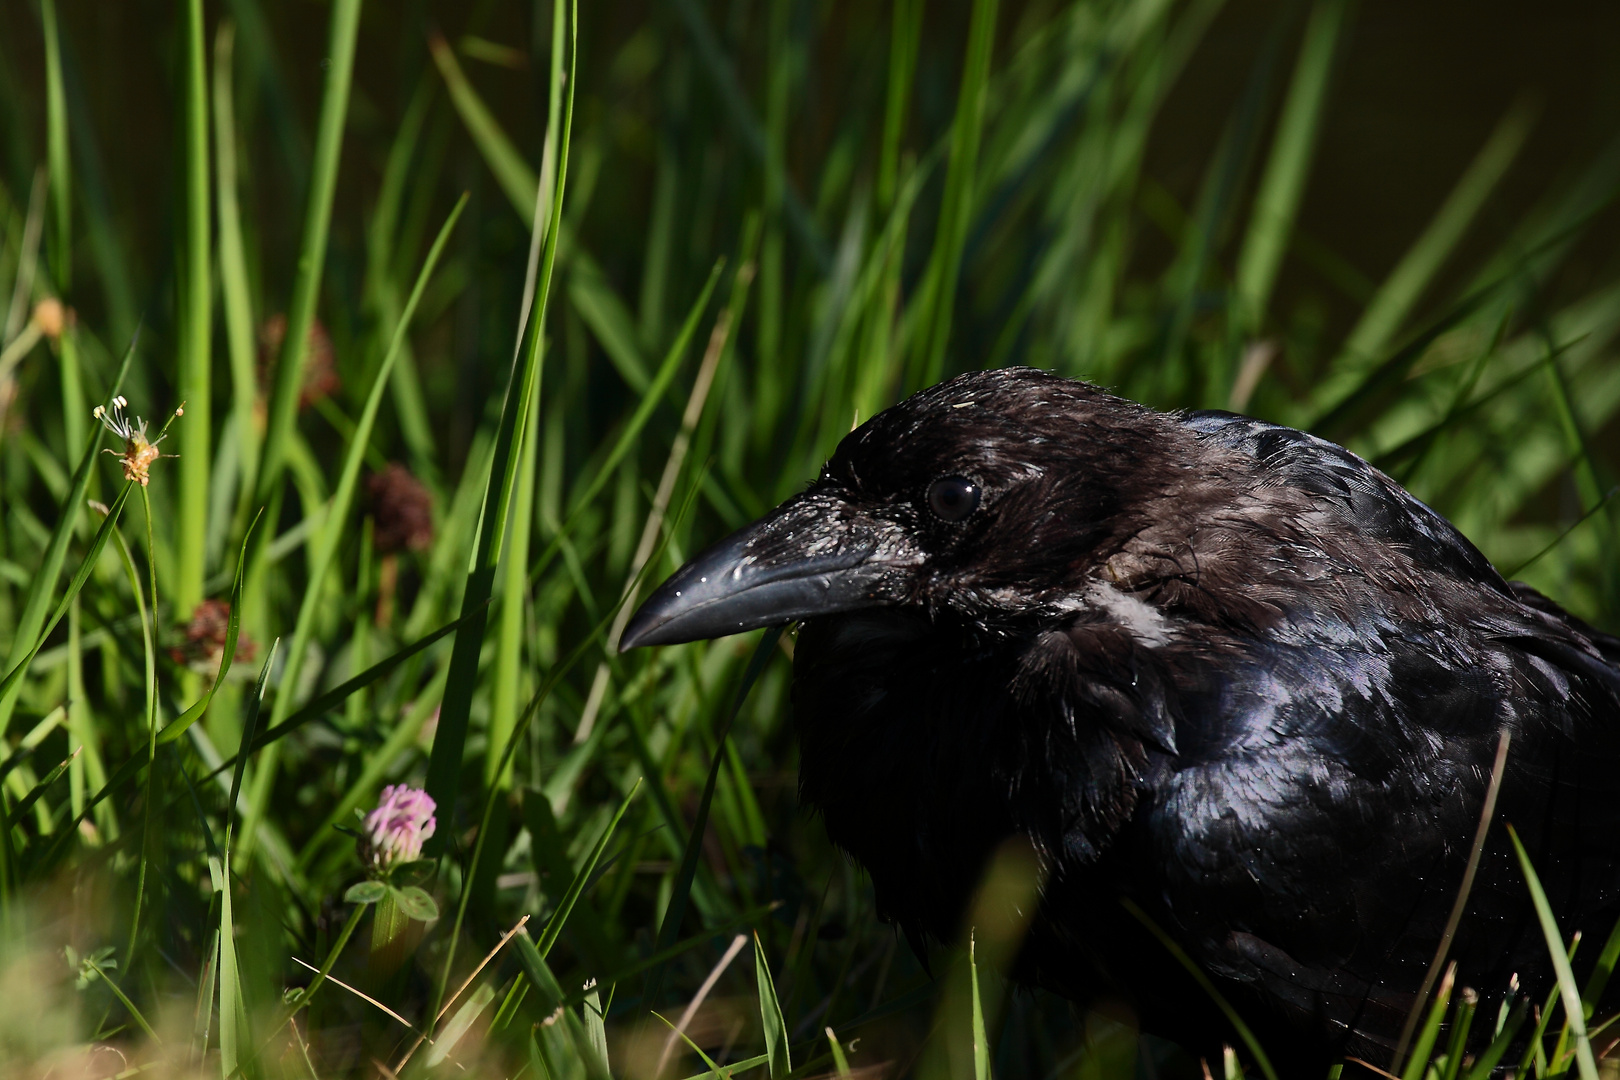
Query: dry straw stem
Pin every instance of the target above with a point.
(468, 981)
(1486, 812)
(698, 998)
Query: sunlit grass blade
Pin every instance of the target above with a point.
(714, 1069)
(26, 633)
(1462, 1022)
(956, 205)
(444, 765)
(123, 999)
(194, 304)
(905, 34)
(633, 427)
(14, 676)
(235, 297)
(233, 1020)
(289, 373)
(334, 698)
(1485, 1064)
(56, 152)
(233, 627)
(559, 918)
(1418, 1065)
(334, 531)
(1574, 1012)
(1405, 284)
(840, 1062)
(505, 690)
(1292, 149)
(35, 793)
(775, 1027)
(514, 175)
(981, 1038)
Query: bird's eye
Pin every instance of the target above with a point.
(953, 498)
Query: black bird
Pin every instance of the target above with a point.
(1219, 667)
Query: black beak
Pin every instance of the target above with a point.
(811, 556)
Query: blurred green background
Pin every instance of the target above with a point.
(1391, 224)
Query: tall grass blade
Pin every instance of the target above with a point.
(981, 1040)
(334, 531)
(289, 374)
(444, 766)
(905, 34)
(15, 815)
(505, 690)
(559, 918)
(1486, 813)
(1598, 981)
(840, 1062)
(1406, 284)
(669, 930)
(513, 174)
(1277, 201)
(1462, 1021)
(26, 636)
(56, 154)
(235, 297)
(1574, 1012)
(777, 1051)
(13, 680)
(956, 206)
(227, 655)
(1485, 1064)
(1419, 1063)
(194, 305)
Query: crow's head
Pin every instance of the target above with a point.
(993, 496)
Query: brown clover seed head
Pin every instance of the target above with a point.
(320, 359)
(402, 510)
(204, 637)
(52, 317)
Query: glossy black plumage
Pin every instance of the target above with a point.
(1220, 667)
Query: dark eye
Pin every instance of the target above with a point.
(953, 498)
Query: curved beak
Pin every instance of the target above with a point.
(811, 556)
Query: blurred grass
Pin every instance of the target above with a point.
(680, 253)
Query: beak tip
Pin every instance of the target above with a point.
(638, 628)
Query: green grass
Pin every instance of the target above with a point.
(607, 305)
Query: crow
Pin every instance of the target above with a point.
(1218, 668)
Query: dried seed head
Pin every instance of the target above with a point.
(205, 635)
(320, 360)
(51, 316)
(402, 509)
